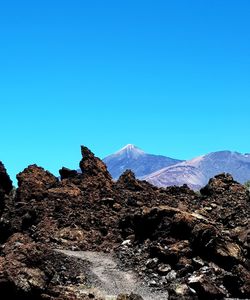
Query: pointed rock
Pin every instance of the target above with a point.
(5, 181)
(128, 181)
(92, 166)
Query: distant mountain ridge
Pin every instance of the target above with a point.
(196, 172)
(141, 163)
(164, 171)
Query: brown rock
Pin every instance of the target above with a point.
(218, 184)
(204, 239)
(206, 288)
(62, 190)
(34, 182)
(92, 166)
(166, 235)
(128, 181)
(228, 253)
(19, 276)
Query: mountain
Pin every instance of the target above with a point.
(196, 172)
(141, 163)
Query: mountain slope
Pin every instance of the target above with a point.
(141, 163)
(196, 172)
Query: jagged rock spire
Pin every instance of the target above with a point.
(93, 166)
(5, 181)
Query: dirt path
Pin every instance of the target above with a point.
(105, 275)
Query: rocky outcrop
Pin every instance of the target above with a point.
(226, 201)
(128, 181)
(5, 187)
(194, 250)
(6, 196)
(33, 183)
(189, 245)
(20, 276)
(33, 271)
(92, 166)
(221, 183)
(67, 173)
(5, 181)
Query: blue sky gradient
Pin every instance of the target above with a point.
(172, 77)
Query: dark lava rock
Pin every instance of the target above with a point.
(5, 181)
(205, 288)
(92, 166)
(67, 173)
(129, 297)
(218, 184)
(33, 183)
(192, 246)
(128, 181)
(20, 277)
(32, 271)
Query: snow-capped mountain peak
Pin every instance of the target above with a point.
(134, 158)
(165, 171)
(130, 150)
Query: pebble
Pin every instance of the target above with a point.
(126, 243)
(164, 269)
(171, 275)
(152, 263)
(152, 283)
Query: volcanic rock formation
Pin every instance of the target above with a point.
(184, 244)
(5, 184)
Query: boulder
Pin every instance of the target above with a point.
(206, 288)
(34, 182)
(67, 173)
(219, 184)
(92, 166)
(20, 277)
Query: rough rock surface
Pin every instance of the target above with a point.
(93, 167)
(5, 182)
(6, 195)
(33, 183)
(193, 246)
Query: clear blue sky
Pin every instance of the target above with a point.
(172, 77)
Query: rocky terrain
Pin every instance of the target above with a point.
(87, 237)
